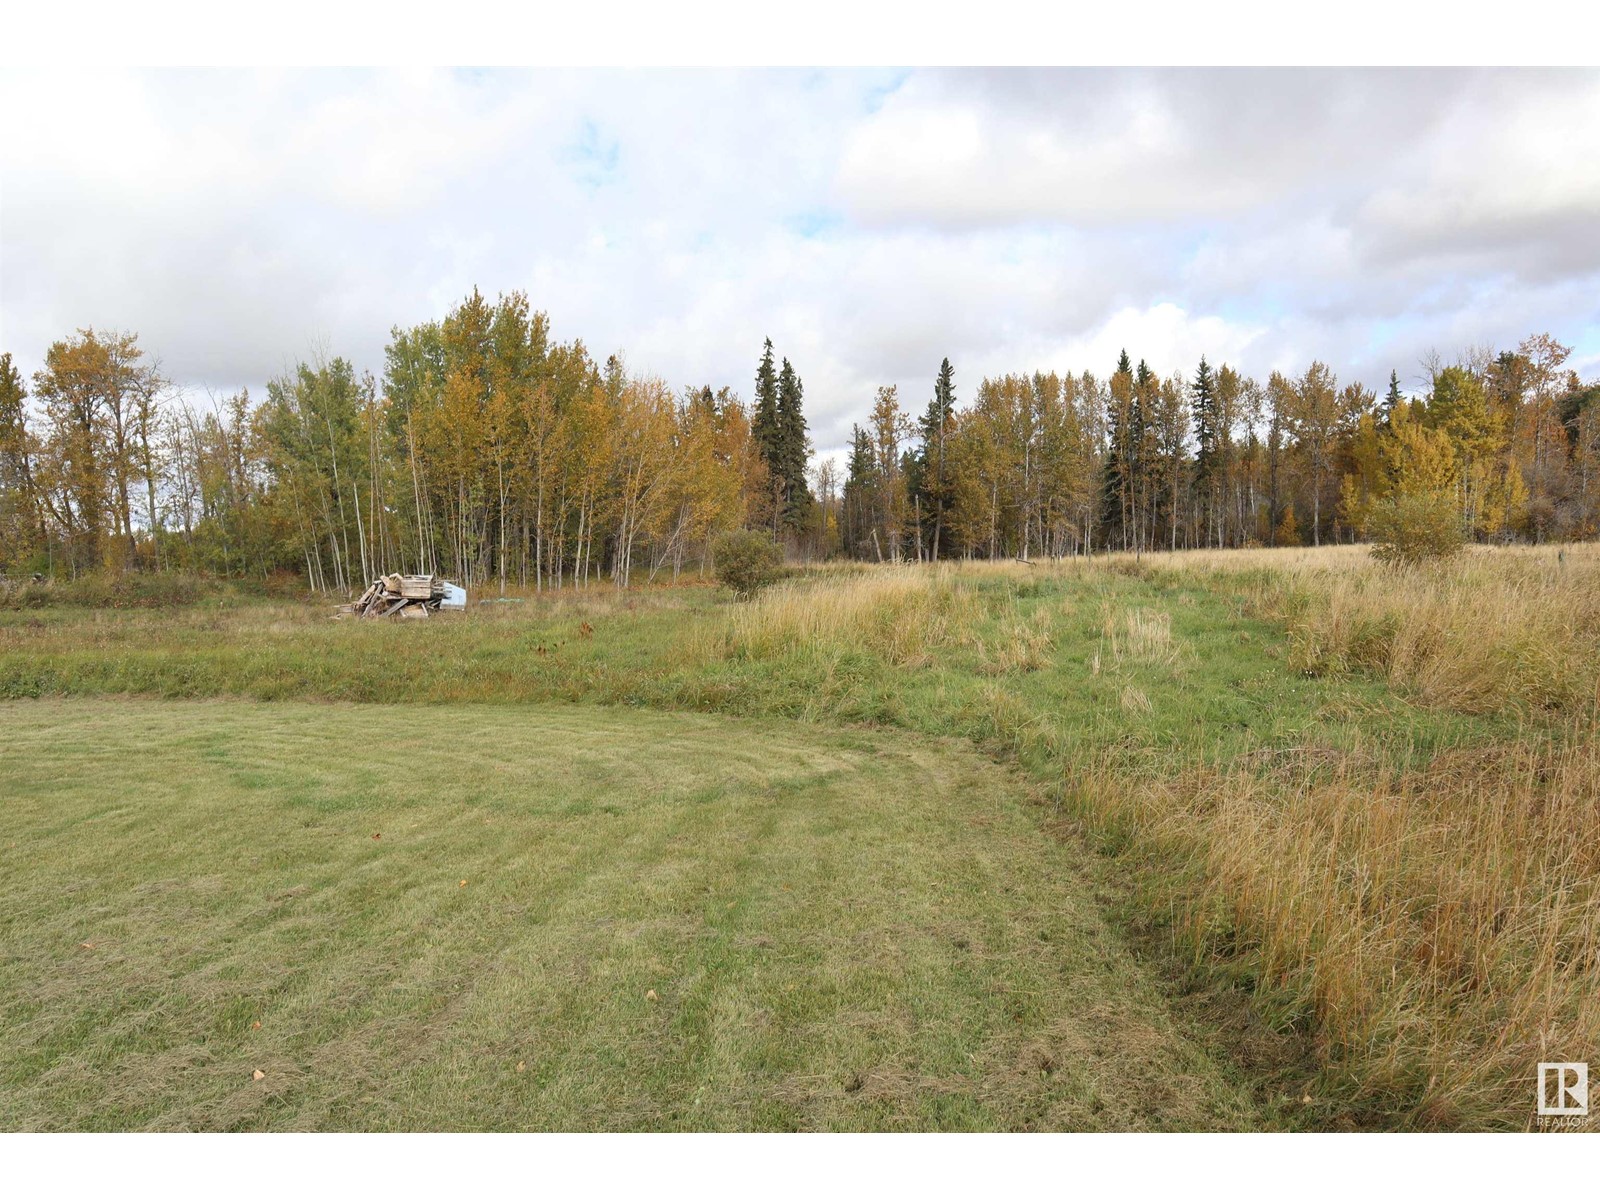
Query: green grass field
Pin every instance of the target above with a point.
(1095, 846)
(458, 917)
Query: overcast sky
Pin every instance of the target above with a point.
(869, 222)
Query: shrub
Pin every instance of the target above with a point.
(1288, 531)
(106, 589)
(1417, 528)
(747, 561)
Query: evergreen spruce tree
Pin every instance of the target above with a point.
(1203, 402)
(793, 448)
(1116, 486)
(1141, 450)
(859, 501)
(766, 431)
(764, 420)
(1392, 399)
(929, 470)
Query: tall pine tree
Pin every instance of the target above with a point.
(860, 501)
(1117, 488)
(1207, 473)
(793, 448)
(931, 472)
(1392, 399)
(766, 430)
(1142, 451)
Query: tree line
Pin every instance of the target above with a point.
(487, 451)
(1060, 464)
(493, 453)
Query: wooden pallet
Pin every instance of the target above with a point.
(411, 596)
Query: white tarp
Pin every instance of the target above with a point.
(454, 597)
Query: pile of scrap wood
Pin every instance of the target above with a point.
(413, 596)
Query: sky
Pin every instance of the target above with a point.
(870, 222)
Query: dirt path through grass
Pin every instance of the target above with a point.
(553, 917)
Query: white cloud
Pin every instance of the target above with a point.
(1180, 339)
(871, 223)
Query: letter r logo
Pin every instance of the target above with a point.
(1563, 1089)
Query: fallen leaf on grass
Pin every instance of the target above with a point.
(651, 996)
(376, 836)
(257, 1025)
(522, 1066)
(259, 1075)
(463, 883)
(86, 945)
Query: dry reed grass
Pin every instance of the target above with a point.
(1017, 646)
(1498, 630)
(1442, 924)
(1140, 635)
(901, 614)
(1132, 700)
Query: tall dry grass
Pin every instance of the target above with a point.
(904, 615)
(1017, 645)
(1440, 925)
(1142, 635)
(1497, 630)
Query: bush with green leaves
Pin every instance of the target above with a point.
(747, 560)
(1416, 528)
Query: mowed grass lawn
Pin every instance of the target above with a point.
(553, 917)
